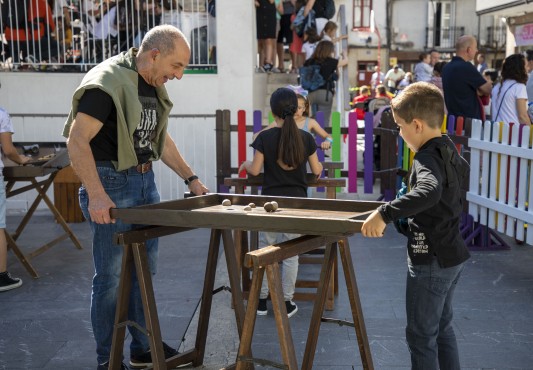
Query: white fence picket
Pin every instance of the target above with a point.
(493, 174)
(503, 178)
(523, 181)
(511, 184)
(485, 170)
(475, 168)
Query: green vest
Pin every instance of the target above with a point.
(118, 77)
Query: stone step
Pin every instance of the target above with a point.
(274, 82)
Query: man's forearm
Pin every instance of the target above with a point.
(174, 160)
(82, 161)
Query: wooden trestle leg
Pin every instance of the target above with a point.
(135, 256)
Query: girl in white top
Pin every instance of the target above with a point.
(311, 41)
(509, 98)
(329, 32)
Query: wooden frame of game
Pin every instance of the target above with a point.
(321, 221)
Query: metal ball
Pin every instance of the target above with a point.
(274, 205)
(247, 208)
(251, 205)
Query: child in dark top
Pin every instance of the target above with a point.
(284, 152)
(428, 214)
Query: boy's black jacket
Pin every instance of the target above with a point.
(433, 205)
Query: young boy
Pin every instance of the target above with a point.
(428, 214)
(6, 130)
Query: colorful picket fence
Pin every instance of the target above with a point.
(500, 157)
(342, 136)
(500, 178)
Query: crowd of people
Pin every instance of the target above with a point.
(470, 89)
(276, 30)
(57, 31)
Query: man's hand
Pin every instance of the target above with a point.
(374, 226)
(23, 159)
(198, 188)
(99, 207)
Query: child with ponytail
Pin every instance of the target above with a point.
(283, 151)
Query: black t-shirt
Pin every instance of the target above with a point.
(277, 181)
(460, 81)
(98, 104)
(328, 70)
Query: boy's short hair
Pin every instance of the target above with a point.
(381, 89)
(420, 100)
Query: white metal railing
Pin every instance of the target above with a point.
(84, 32)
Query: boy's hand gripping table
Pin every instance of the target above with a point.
(319, 220)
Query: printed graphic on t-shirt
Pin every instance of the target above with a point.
(419, 243)
(145, 131)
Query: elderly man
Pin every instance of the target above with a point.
(116, 127)
(462, 82)
(377, 78)
(393, 78)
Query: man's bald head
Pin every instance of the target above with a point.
(466, 47)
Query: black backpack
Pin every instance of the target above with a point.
(324, 9)
(14, 13)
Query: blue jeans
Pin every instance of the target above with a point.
(429, 330)
(127, 189)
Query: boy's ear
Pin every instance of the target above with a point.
(418, 125)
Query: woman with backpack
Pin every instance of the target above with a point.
(322, 96)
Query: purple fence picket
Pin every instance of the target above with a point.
(369, 153)
(320, 119)
(352, 152)
(258, 121)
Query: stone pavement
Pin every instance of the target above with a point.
(45, 323)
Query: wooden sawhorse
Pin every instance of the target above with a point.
(267, 259)
(135, 259)
(41, 187)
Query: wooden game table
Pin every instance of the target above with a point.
(319, 220)
(46, 159)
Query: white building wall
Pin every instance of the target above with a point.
(409, 20)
